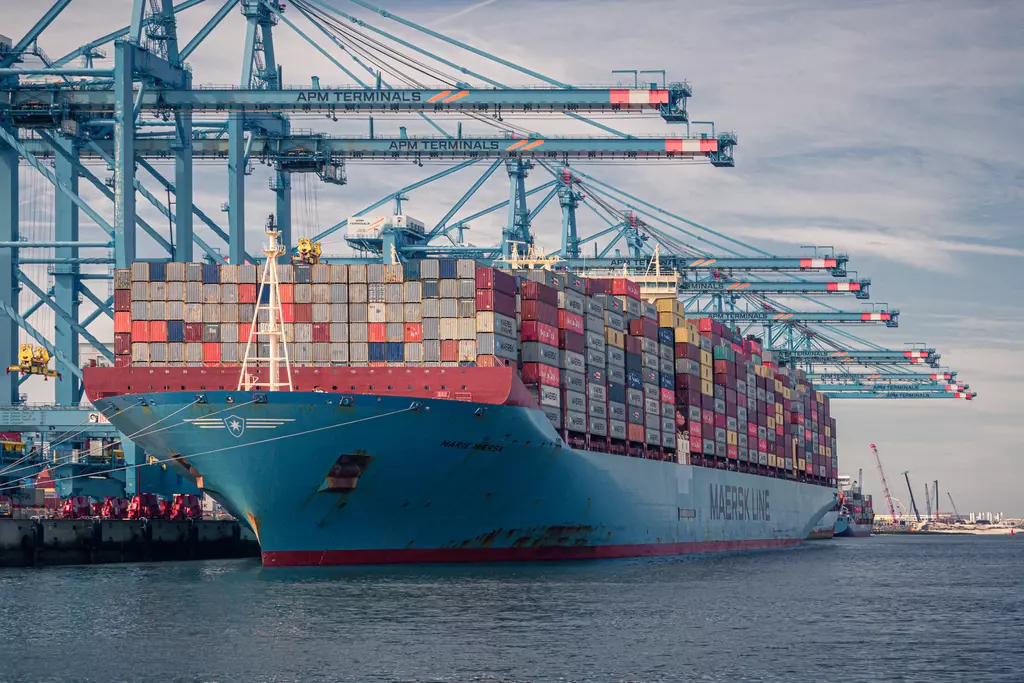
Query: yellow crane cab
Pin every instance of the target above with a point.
(33, 362)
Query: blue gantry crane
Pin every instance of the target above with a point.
(128, 104)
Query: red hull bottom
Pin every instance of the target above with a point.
(308, 558)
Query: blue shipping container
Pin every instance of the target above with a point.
(616, 392)
(264, 295)
(175, 331)
(412, 271)
(157, 271)
(634, 361)
(634, 379)
(666, 335)
(378, 351)
(303, 274)
(395, 351)
(667, 382)
(211, 274)
(448, 268)
(431, 289)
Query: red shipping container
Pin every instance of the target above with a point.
(194, 332)
(378, 332)
(246, 294)
(634, 344)
(538, 373)
(668, 396)
(287, 293)
(697, 429)
(707, 417)
(449, 351)
(122, 300)
(636, 432)
(571, 341)
(779, 430)
(321, 332)
(704, 324)
(539, 311)
(732, 452)
(533, 330)
(621, 286)
(643, 328)
(687, 382)
(567, 320)
(211, 353)
(720, 420)
(123, 361)
(493, 300)
(122, 322)
(303, 313)
(696, 444)
(687, 397)
(762, 445)
(498, 280)
(244, 330)
(122, 342)
(751, 429)
(414, 332)
(288, 313)
(537, 291)
(140, 331)
(158, 331)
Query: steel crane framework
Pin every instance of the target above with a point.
(129, 102)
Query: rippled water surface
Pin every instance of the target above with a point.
(876, 609)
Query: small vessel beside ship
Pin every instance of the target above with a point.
(482, 415)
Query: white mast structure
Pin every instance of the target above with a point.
(271, 328)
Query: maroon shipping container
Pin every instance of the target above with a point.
(321, 332)
(687, 382)
(537, 291)
(571, 341)
(707, 417)
(122, 299)
(533, 330)
(720, 420)
(643, 327)
(689, 351)
(122, 341)
(634, 344)
(449, 351)
(123, 361)
(538, 373)
(540, 311)
(567, 320)
(687, 396)
(497, 280)
(494, 300)
(193, 332)
(304, 313)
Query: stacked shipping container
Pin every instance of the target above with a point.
(611, 372)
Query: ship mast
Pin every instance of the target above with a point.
(272, 328)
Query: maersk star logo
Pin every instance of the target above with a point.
(236, 426)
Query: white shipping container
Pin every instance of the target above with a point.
(467, 350)
(431, 308)
(357, 274)
(572, 301)
(303, 293)
(158, 352)
(651, 405)
(339, 332)
(467, 308)
(358, 352)
(616, 410)
(175, 271)
(193, 292)
(229, 274)
(321, 294)
(554, 416)
(246, 312)
(465, 268)
(358, 313)
(358, 332)
(375, 273)
(229, 313)
(395, 332)
(450, 289)
(395, 313)
(617, 429)
(574, 400)
(229, 352)
(357, 293)
(394, 293)
(430, 269)
(176, 350)
(211, 294)
(229, 333)
(490, 344)
(449, 308)
(229, 293)
(412, 292)
(339, 352)
(449, 328)
(597, 409)
(193, 313)
(467, 329)
(320, 273)
(338, 294)
(321, 352)
(376, 312)
(339, 273)
(414, 352)
(194, 273)
(157, 291)
(635, 398)
(321, 313)
(467, 289)
(597, 392)
(650, 347)
(193, 352)
(303, 352)
(158, 310)
(488, 321)
(575, 421)
(303, 332)
(176, 291)
(211, 313)
(431, 351)
(339, 313)
(140, 291)
(570, 360)
(140, 352)
(572, 380)
(413, 313)
(140, 310)
(432, 330)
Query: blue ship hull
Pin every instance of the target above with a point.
(326, 479)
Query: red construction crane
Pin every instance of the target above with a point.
(885, 486)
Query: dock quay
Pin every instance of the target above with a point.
(43, 542)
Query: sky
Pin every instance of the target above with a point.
(891, 131)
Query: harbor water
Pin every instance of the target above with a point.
(894, 608)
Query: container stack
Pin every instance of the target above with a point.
(609, 371)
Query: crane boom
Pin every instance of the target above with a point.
(927, 502)
(913, 503)
(956, 512)
(885, 485)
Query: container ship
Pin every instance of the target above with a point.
(443, 410)
(857, 516)
(829, 525)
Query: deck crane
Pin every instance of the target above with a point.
(913, 504)
(927, 502)
(935, 492)
(885, 486)
(956, 513)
